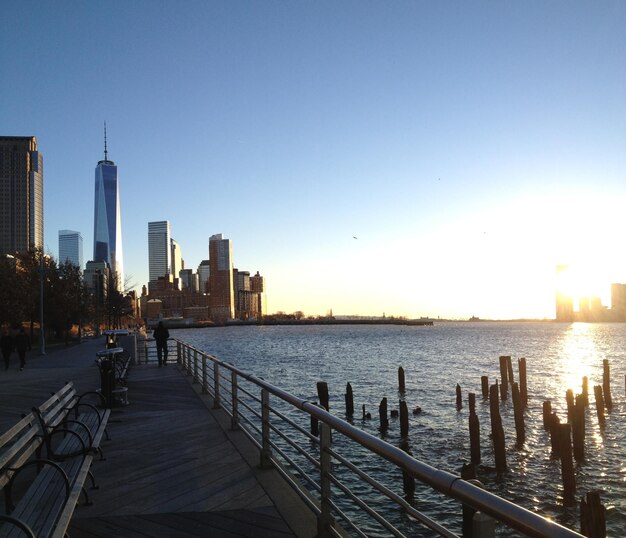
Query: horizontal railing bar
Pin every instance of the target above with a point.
(301, 471)
(295, 445)
(299, 428)
(420, 516)
(296, 486)
(390, 527)
(354, 526)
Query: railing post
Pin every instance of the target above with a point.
(145, 350)
(266, 449)
(205, 390)
(234, 419)
(216, 386)
(196, 379)
(325, 519)
(178, 346)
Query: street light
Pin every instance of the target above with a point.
(42, 335)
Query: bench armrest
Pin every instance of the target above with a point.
(20, 524)
(8, 499)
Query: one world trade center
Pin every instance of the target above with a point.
(107, 229)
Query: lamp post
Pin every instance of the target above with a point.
(42, 334)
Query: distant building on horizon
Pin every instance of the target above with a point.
(221, 299)
(21, 194)
(71, 247)
(177, 258)
(107, 228)
(564, 301)
(159, 250)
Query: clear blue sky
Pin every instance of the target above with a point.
(469, 146)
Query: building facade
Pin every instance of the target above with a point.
(21, 194)
(107, 228)
(159, 250)
(71, 248)
(204, 271)
(221, 300)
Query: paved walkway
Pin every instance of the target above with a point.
(172, 468)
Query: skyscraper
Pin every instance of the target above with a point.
(177, 258)
(71, 247)
(159, 250)
(21, 194)
(221, 300)
(107, 228)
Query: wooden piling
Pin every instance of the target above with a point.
(401, 384)
(382, 413)
(497, 431)
(404, 419)
(592, 516)
(363, 411)
(547, 414)
(597, 391)
(554, 434)
(459, 398)
(606, 384)
(504, 377)
(578, 428)
(468, 472)
(569, 400)
(523, 385)
(567, 464)
(322, 394)
(518, 411)
(509, 368)
(408, 482)
(474, 430)
(586, 390)
(315, 430)
(349, 401)
(484, 382)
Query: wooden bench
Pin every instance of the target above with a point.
(70, 430)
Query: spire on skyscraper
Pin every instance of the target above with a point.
(106, 158)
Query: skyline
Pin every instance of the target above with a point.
(470, 149)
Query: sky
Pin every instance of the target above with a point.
(408, 158)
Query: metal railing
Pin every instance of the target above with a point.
(146, 351)
(329, 482)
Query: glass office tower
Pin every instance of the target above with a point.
(107, 228)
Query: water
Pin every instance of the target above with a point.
(435, 359)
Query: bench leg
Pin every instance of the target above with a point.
(93, 481)
(102, 458)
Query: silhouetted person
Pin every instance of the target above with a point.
(6, 344)
(161, 334)
(22, 345)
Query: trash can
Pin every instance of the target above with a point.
(107, 381)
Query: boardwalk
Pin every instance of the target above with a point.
(172, 466)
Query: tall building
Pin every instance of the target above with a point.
(107, 228)
(21, 194)
(159, 250)
(177, 258)
(564, 299)
(204, 271)
(71, 247)
(221, 300)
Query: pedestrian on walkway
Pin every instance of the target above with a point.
(22, 344)
(161, 334)
(6, 345)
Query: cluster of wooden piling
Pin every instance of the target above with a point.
(567, 439)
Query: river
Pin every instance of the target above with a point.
(435, 359)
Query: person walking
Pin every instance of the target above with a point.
(6, 345)
(22, 344)
(161, 334)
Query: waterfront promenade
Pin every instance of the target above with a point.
(173, 468)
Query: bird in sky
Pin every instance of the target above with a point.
(354, 237)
